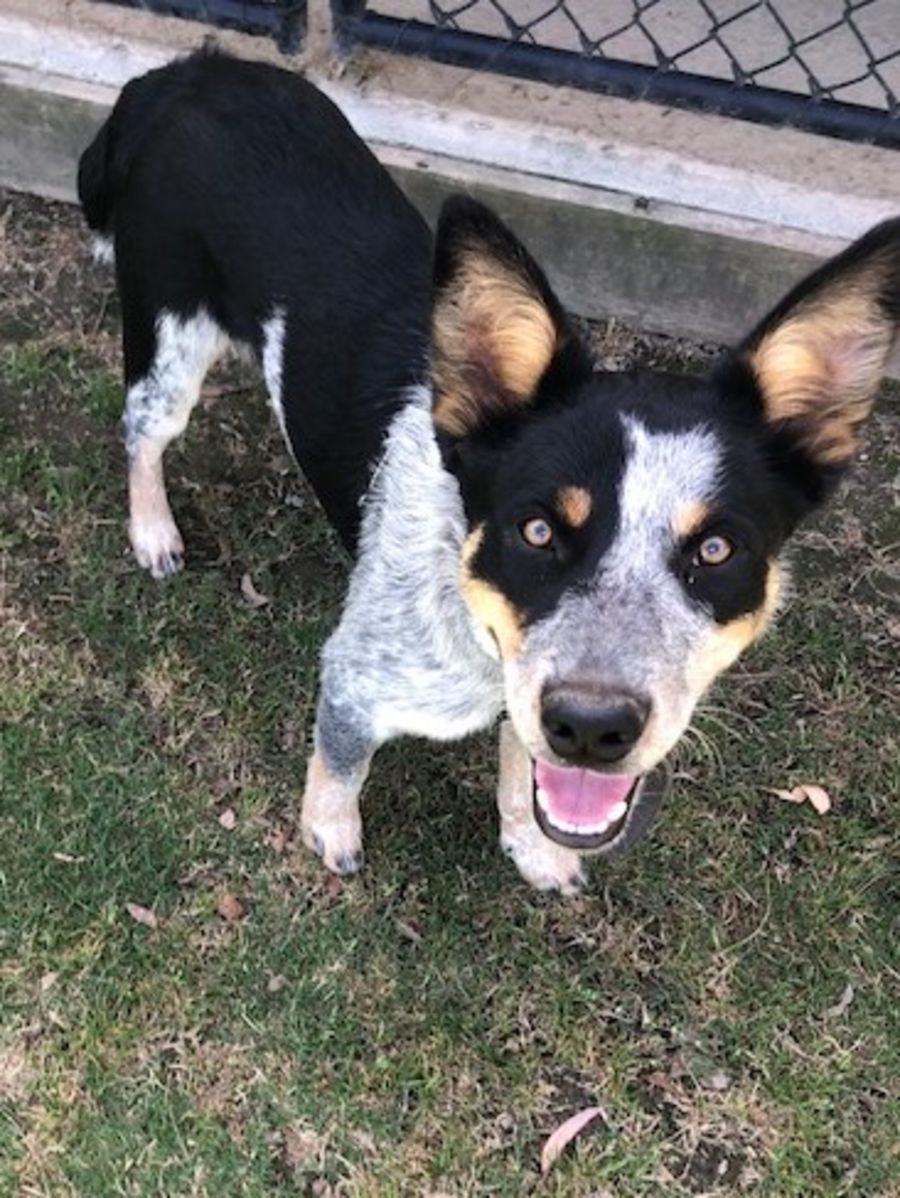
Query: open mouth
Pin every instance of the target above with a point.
(593, 812)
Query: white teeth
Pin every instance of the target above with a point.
(618, 811)
(594, 829)
(543, 799)
(579, 829)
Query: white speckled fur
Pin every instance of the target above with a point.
(103, 249)
(405, 658)
(157, 409)
(273, 363)
(425, 673)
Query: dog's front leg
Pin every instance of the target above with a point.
(330, 821)
(541, 862)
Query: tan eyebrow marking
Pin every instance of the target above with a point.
(690, 518)
(574, 504)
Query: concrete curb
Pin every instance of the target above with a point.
(605, 262)
(673, 242)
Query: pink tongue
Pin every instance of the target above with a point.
(578, 796)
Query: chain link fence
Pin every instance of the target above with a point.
(830, 66)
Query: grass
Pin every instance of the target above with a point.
(728, 994)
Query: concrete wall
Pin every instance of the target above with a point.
(682, 223)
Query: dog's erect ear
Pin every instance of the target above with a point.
(818, 358)
(495, 324)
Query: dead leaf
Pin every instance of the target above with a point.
(142, 915)
(15, 1075)
(253, 597)
(409, 930)
(806, 792)
(303, 1147)
(364, 1142)
(558, 1140)
(842, 1003)
(226, 552)
(66, 858)
(283, 463)
(718, 1080)
(276, 983)
(662, 1081)
(230, 908)
(820, 798)
(210, 392)
(228, 819)
(48, 981)
(277, 840)
(790, 796)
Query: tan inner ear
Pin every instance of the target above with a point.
(820, 369)
(493, 339)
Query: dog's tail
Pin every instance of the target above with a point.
(104, 166)
(95, 191)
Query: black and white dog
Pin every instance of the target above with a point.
(584, 550)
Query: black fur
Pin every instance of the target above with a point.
(239, 187)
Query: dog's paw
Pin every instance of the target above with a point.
(337, 842)
(157, 546)
(543, 864)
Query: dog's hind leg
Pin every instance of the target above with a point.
(543, 864)
(330, 820)
(273, 364)
(166, 361)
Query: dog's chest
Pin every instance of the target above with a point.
(406, 648)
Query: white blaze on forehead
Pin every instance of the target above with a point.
(663, 472)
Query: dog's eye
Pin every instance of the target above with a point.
(536, 532)
(713, 551)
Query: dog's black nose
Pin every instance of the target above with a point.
(590, 727)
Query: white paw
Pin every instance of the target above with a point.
(157, 545)
(338, 842)
(542, 863)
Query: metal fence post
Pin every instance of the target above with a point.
(320, 35)
(345, 15)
